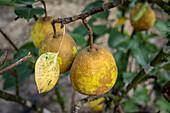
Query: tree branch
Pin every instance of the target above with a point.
(15, 64)
(24, 102)
(156, 61)
(163, 5)
(84, 15)
(79, 103)
(7, 38)
(3, 58)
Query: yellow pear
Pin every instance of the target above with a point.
(42, 28)
(94, 71)
(146, 21)
(67, 53)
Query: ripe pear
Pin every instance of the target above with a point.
(96, 105)
(67, 53)
(42, 28)
(94, 71)
(146, 21)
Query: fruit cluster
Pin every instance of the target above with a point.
(93, 70)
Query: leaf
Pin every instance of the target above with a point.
(1, 52)
(92, 5)
(99, 29)
(130, 106)
(161, 27)
(140, 96)
(81, 30)
(27, 12)
(120, 21)
(5, 2)
(118, 40)
(29, 46)
(46, 71)
(80, 41)
(121, 59)
(162, 105)
(129, 76)
(166, 66)
(141, 11)
(27, 2)
(139, 56)
(102, 15)
(163, 77)
(23, 71)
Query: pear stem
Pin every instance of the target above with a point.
(45, 9)
(90, 33)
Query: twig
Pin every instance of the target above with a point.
(24, 102)
(163, 5)
(45, 9)
(8, 39)
(84, 15)
(15, 64)
(90, 33)
(162, 54)
(17, 84)
(4, 58)
(72, 100)
(60, 100)
(166, 91)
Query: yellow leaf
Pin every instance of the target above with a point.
(46, 71)
(120, 21)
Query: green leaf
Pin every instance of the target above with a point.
(102, 15)
(5, 2)
(31, 48)
(148, 50)
(121, 59)
(141, 11)
(80, 41)
(163, 77)
(92, 5)
(1, 52)
(118, 40)
(140, 96)
(99, 30)
(28, 13)
(129, 76)
(27, 2)
(166, 66)
(139, 56)
(162, 105)
(130, 106)
(81, 30)
(161, 27)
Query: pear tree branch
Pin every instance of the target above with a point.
(16, 64)
(145, 71)
(84, 15)
(22, 101)
(163, 5)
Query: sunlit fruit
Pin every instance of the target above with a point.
(67, 53)
(93, 71)
(146, 21)
(42, 28)
(97, 105)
